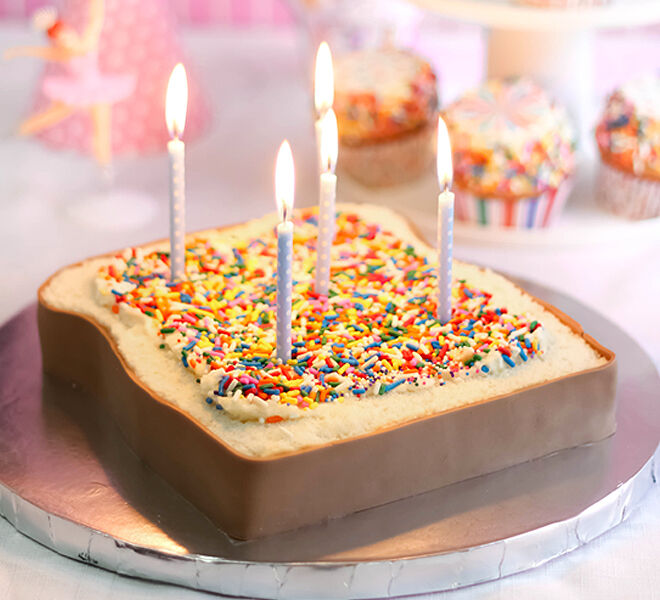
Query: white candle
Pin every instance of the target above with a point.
(284, 191)
(324, 93)
(445, 222)
(327, 193)
(175, 116)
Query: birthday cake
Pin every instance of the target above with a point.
(379, 400)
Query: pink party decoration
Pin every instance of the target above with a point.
(82, 84)
(199, 12)
(139, 40)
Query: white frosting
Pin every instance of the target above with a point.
(74, 289)
(644, 93)
(386, 73)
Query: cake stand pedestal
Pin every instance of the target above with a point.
(69, 481)
(552, 45)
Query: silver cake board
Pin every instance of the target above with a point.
(68, 480)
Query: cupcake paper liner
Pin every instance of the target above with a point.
(390, 162)
(628, 195)
(518, 213)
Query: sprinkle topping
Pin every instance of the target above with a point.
(376, 332)
(509, 139)
(629, 131)
(383, 93)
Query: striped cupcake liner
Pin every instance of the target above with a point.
(521, 213)
(627, 195)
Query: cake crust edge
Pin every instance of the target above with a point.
(250, 497)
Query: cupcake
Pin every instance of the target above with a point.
(628, 137)
(513, 150)
(386, 104)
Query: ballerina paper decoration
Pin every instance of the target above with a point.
(138, 37)
(80, 86)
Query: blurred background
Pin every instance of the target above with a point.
(251, 64)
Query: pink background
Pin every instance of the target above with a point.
(234, 12)
(139, 37)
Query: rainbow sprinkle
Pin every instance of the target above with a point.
(375, 333)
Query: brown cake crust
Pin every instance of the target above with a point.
(250, 497)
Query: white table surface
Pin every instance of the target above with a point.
(257, 84)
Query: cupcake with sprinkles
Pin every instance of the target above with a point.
(386, 103)
(513, 152)
(628, 137)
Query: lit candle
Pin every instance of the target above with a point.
(324, 92)
(445, 222)
(284, 186)
(327, 192)
(175, 115)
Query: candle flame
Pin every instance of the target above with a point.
(329, 141)
(284, 181)
(324, 80)
(443, 158)
(176, 101)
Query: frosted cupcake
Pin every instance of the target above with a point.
(386, 104)
(513, 155)
(628, 136)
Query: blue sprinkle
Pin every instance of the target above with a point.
(272, 392)
(390, 386)
(522, 352)
(508, 360)
(209, 400)
(485, 369)
(412, 346)
(185, 298)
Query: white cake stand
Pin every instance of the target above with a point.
(553, 45)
